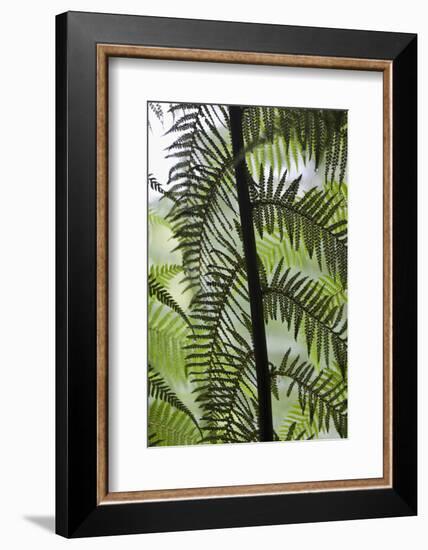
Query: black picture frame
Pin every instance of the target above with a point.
(77, 511)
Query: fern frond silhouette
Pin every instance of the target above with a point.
(323, 395)
(308, 220)
(301, 304)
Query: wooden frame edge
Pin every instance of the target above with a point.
(104, 51)
(241, 57)
(387, 275)
(102, 274)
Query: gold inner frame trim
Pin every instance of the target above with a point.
(104, 51)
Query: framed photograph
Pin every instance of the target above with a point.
(236, 274)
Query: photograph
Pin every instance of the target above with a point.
(247, 273)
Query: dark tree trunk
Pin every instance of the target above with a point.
(256, 299)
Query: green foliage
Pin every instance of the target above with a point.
(158, 290)
(155, 219)
(323, 396)
(297, 425)
(203, 373)
(167, 338)
(220, 360)
(158, 388)
(201, 186)
(280, 137)
(335, 290)
(169, 426)
(301, 304)
(271, 248)
(164, 273)
(307, 220)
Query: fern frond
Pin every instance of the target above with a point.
(169, 426)
(279, 137)
(297, 426)
(158, 290)
(300, 303)
(154, 184)
(307, 220)
(154, 219)
(202, 185)
(164, 273)
(153, 440)
(294, 433)
(323, 395)
(158, 388)
(167, 337)
(156, 109)
(271, 248)
(221, 361)
(334, 289)
(338, 192)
